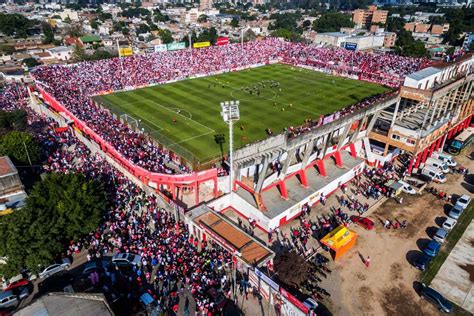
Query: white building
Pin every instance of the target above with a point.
(61, 53)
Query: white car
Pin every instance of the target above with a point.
(407, 188)
(463, 201)
(124, 259)
(449, 224)
(55, 268)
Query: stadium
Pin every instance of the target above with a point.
(306, 114)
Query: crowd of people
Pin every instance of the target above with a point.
(73, 85)
(172, 260)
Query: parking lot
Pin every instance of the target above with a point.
(388, 286)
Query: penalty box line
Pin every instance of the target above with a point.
(174, 112)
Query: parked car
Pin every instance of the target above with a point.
(55, 268)
(407, 188)
(436, 299)
(433, 174)
(449, 224)
(363, 221)
(17, 284)
(432, 248)
(310, 304)
(455, 212)
(463, 201)
(8, 300)
(446, 158)
(127, 259)
(95, 265)
(422, 261)
(440, 235)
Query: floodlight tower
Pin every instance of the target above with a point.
(230, 113)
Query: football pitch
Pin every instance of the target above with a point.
(185, 116)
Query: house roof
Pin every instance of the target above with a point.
(6, 167)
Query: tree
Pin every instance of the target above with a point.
(79, 54)
(15, 24)
(61, 208)
(395, 24)
(7, 49)
(47, 32)
(16, 119)
(105, 16)
(306, 23)
(30, 62)
(166, 36)
(95, 24)
(143, 28)
(291, 268)
(332, 22)
(67, 20)
(234, 22)
(101, 54)
(21, 147)
(203, 18)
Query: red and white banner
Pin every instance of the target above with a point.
(222, 41)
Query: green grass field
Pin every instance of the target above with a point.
(297, 94)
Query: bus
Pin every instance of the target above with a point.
(461, 141)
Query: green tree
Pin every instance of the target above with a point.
(30, 62)
(143, 28)
(166, 36)
(15, 25)
(19, 146)
(395, 24)
(125, 31)
(203, 18)
(61, 208)
(291, 268)
(332, 22)
(79, 54)
(101, 54)
(47, 32)
(95, 24)
(67, 20)
(306, 23)
(234, 22)
(105, 16)
(16, 119)
(7, 49)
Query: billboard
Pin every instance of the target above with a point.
(201, 44)
(161, 48)
(176, 46)
(350, 46)
(125, 51)
(222, 41)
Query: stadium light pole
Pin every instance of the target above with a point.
(230, 113)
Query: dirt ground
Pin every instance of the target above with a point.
(386, 287)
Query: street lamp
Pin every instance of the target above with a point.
(230, 113)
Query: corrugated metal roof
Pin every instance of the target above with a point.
(424, 73)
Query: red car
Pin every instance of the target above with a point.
(17, 284)
(363, 221)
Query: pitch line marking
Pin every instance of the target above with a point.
(170, 109)
(191, 138)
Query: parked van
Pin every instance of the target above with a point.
(433, 174)
(446, 158)
(437, 164)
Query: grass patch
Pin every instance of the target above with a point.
(466, 217)
(184, 116)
